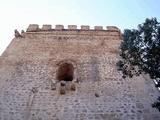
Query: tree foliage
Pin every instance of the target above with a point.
(140, 50)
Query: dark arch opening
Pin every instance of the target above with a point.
(65, 72)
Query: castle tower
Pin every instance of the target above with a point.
(70, 74)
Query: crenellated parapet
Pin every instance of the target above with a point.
(36, 28)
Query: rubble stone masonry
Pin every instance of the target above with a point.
(30, 89)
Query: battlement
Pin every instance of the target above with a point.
(45, 27)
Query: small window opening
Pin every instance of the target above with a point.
(65, 72)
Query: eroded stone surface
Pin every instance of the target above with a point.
(28, 71)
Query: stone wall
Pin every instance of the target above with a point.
(29, 66)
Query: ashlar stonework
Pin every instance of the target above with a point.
(70, 74)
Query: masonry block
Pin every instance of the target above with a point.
(59, 27)
(112, 28)
(33, 28)
(85, 27)
(98, 28)
(72, 27)
(46, 27)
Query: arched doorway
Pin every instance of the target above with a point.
(65, 72)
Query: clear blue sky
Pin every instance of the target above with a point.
(18, 14)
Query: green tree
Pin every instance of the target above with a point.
(140, 51)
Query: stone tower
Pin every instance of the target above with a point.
(70, 74)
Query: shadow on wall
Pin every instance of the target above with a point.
(65, 72)
(94, 69)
